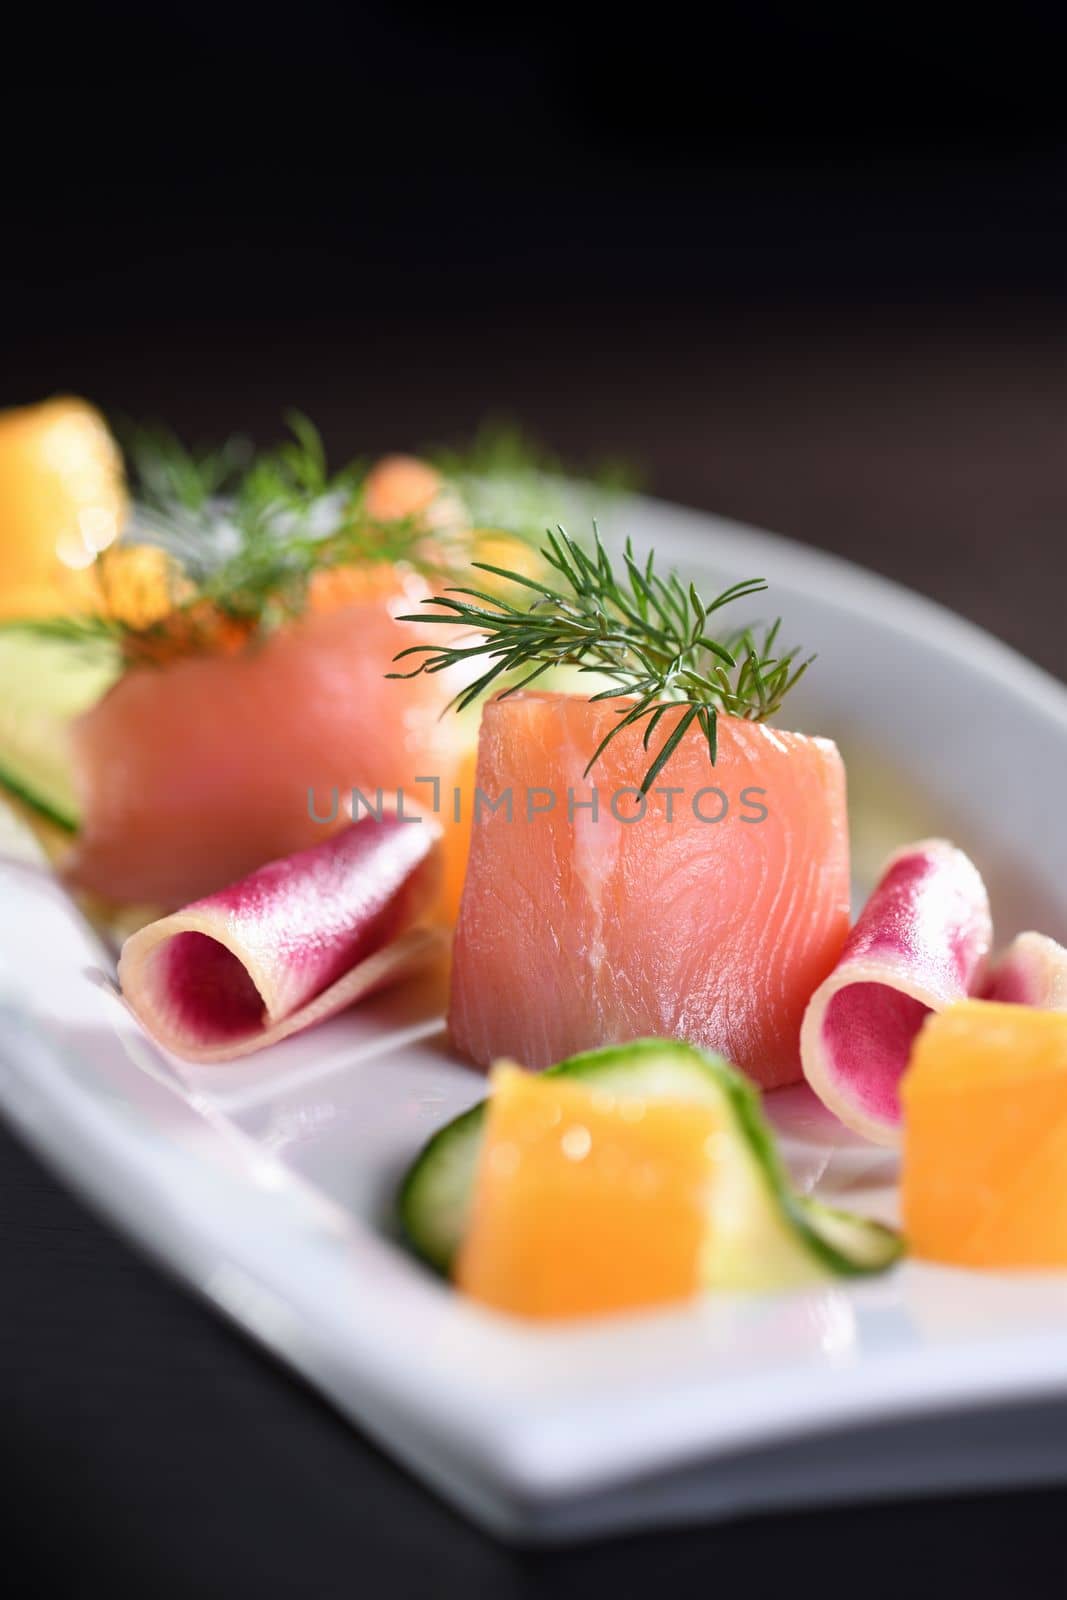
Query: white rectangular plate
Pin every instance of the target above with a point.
(267, 1185)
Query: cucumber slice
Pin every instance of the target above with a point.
(763, 1234)
(44, 683)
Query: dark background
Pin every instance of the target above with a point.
(807, 272)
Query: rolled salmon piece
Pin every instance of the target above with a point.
(175, 791)
(1032, 971)
(708, 914)
(291, 944)
(920, 943)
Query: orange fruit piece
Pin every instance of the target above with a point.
(455, 816)
(586, 1202)
(400, 486)
(332, 587)
(511, 554)
(985, 1137)
(140, 585)
(62, 500)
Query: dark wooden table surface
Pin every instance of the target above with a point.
(148, 1447)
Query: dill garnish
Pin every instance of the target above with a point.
(238, 535)
(647, 633)
(249, 531)
(222, 545)
(507, 479)
(94, 640)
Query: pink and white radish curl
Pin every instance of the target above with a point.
(920, 943)
(293, 943)
(1032, 971)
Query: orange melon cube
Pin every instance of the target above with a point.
(62, 500)
(586, 1202)
(984, 1180)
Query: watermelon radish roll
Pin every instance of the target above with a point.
(291, 944)
(921, 943)
(1032, 971)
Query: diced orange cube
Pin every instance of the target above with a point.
(586, 1202)
(985, 1137)
(62, 499)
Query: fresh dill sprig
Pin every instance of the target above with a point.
(647, 633)
(510, 481)
(241, 534)
(95, 640)
(248, 531)
(74, 629)
(167, 474)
